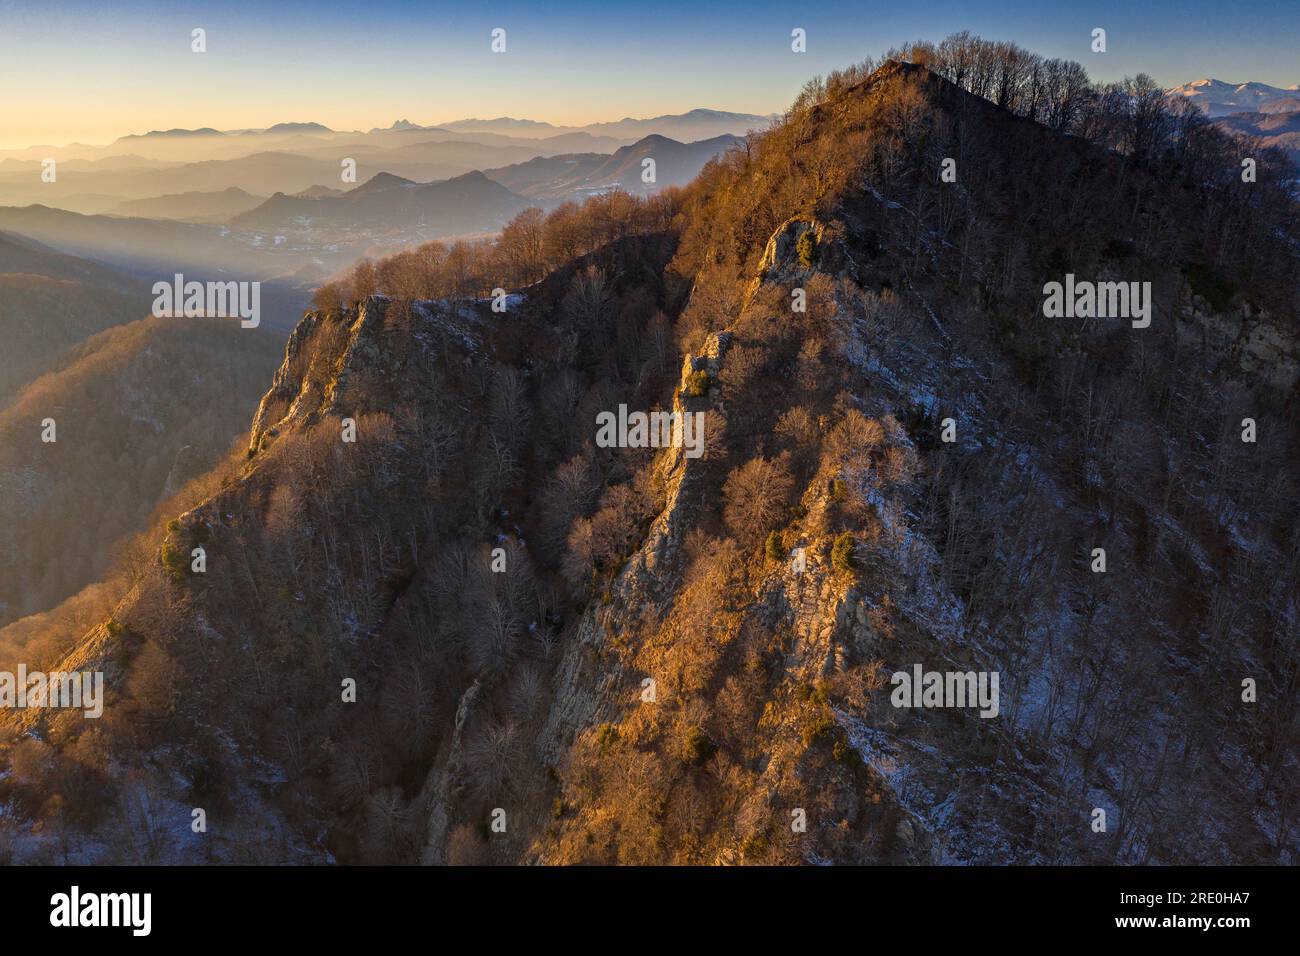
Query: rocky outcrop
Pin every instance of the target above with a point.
(344, 361)
(1261, 347)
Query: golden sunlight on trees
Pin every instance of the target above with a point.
(757, 496)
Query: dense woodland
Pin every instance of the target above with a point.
(519, 690)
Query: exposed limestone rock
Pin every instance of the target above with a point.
(439, 784)
(343, 362)
(1257, 342)
(781, 263)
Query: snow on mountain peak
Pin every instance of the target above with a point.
(1219, 98)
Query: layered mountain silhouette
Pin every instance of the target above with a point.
(217, 206)
(1270, 130)
(694, 125)
(567, 176)
(465, 204)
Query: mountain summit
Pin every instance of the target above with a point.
(1218, 98)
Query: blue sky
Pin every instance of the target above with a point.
(95, 70)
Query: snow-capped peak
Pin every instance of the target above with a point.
(1218, 98)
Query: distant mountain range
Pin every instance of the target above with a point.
(209, 219)
(471, 203)
(388, 206)
(694, 125)
(1218, 98)
(560, 177)
(1274, 130)
(186, 174)
(1269, 113)
(278, 128)
(212, 206)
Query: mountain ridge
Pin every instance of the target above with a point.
(682, 659)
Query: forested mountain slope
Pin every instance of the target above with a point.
(132, 408)
(50, 301)
(474, 634)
